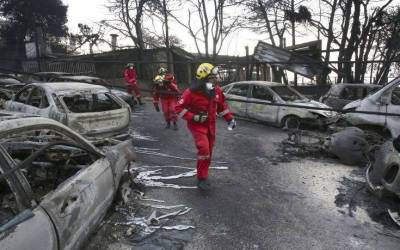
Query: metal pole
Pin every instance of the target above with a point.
(167, 36)
(293, 39)
(248, 77)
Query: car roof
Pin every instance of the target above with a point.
(82, 78)
(10, 115)
(57, 87)
(265, 83)
(52, 73)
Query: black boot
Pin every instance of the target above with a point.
(140, 100)
(203, 185)
(175, 126)
(168, 125)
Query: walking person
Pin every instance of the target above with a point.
(199, 106)
(130, 77)
(166, 90)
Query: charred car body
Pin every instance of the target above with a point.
(48, 76)
(55, 186)
(270, 93)
(9, 85)
(342, 94)
(98, 81)
(91, 110)
(386, 100)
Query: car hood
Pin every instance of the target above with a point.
(119, 93)
(314, 104)
(353, 104)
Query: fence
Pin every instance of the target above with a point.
(54, 66)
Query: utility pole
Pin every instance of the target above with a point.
(293, 38)
(169, 66)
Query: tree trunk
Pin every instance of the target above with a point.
(346, 25)
(351, 46)
(324, 76)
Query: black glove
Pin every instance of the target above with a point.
(200, 118)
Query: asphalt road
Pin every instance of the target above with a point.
(265, 199)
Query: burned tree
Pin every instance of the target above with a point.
(358, 38)
(87, 35)
(276, 19)
(209, 25)
(128, 19)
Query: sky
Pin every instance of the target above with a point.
(92, 11)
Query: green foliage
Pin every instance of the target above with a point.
(25, 15)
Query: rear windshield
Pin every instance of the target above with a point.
(85, 103)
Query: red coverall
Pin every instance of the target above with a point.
(130, 77)
(192, 103)
(168, 95)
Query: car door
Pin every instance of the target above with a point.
(267, 113)
(393, 122)
(27, 225)
(79, 203)
(238, 91)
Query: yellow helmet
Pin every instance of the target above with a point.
(204, 70)
(158, 79)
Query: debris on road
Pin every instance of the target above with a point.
(349, 145)
(383, 173)
(151, 178)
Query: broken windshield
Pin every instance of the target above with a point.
(288, 94)
(89, 102)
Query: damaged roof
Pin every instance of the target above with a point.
(71, 86)
(77, 78)
(9, 115)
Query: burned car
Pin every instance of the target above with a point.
(8, 79)
(89, 109)
(342, 94)
(9, 85)
(275, 93)
(55, 186)
(385, 100)
(48, 76)
(98, 81)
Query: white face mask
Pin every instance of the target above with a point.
(209, 86)
(130, 67)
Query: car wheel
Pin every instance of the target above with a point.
(291, 122)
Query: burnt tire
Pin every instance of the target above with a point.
(291, 122)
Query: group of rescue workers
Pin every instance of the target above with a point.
(198, 105)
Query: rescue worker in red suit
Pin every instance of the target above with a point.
(199, 106)
(130, 77)
(166, 90)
